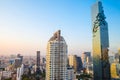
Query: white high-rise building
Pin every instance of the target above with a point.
(56, 58)
(20, 72)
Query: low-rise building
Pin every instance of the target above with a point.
(6, 74)
(71, 74)
(115, 71)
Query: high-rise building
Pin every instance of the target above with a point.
(111, 59)
(75, 62)
(0, 62)
(79, 64)
(119, 54)
(43, 60)
(101, 63)
(87, 62)
(116, 59)
(115, 71)
(17, 62)
(56, 58)
(21, 58)
(86, 58)
(119, 51)
(38, 59)
(38, 66)
(20, 71)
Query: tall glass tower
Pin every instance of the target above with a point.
(101, 65)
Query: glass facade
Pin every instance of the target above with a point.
(101, 64)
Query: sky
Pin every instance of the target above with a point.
(27, 25)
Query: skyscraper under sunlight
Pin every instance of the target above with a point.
(56, 58)
(101, 63)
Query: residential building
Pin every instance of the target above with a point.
(71, 74)
(56, 58)
(75, 62)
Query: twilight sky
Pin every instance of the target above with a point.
(27, 25)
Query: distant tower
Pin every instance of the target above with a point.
(38, 66)
(56, 58)
(86, 58)
(119, 54)
(38, 58)
(101, 63)
(21, 58)
(75, 62)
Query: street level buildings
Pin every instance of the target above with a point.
(71, 74)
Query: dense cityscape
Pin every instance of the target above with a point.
(58, 65)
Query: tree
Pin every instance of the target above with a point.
(84, 76)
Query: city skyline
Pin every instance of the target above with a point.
(26, 26)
